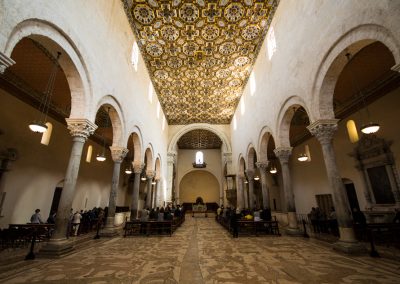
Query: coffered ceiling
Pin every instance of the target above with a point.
(199, 53)
(199, 139)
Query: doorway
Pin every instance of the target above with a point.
(352, 196)
(56, 199)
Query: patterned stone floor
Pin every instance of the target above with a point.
(201, 251)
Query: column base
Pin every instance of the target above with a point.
(293, 232)
(109, 232)
(350, 248)
(56, 249)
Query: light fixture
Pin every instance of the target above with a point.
(256, 178)
(39, 126)
(128, 170)
(153, 183)
(245, 181)
(273, 170)
(102, 157)
(302, 157)
(370, 127)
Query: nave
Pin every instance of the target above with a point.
(201, 251)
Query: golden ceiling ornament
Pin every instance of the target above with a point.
(199, 51)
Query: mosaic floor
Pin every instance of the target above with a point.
(201, 251)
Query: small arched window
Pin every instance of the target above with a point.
(135, 55)
(199, 158)
(47, 134)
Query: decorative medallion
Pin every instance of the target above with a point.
(199, 53)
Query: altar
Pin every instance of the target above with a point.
(199, 208)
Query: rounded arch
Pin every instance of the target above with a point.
(263, 140)
(251, 156)
(334, 61)
(71, 61)
(136, 137)
(226, 146)
(148, 155)
(285, 117)
(241, 164)
(158, 167)
(195, 183)
(116, 118)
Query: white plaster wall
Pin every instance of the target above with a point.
(100, 33)
(309, 178)
(305, 32)
(31, 182)
(186, 157)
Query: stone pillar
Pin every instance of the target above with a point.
(118, 154)
(263, 166)
(80, 130)
(250, 176)
(283, 154)
(239, 199)
(137, 170)
(150, 175)
(156, 192)
(5, 62)
(324, 130)
(171, 160)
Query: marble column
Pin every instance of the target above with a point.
(324, 130)
(263, 166)
(118, 154)
(250, 176)
(5, 62)
(240, 192)
(80, 130)
(137, 170)
(171, 160)
(283, 154)
(150, 175)
(156, 192)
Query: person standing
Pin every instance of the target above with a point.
(76, 222)
(36, 218)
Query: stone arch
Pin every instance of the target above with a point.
(226, 146)
(148, 155)
(263, 141)
(116, 118)
(334, 61)
(251, 156)
(158, 167)
(241, 164)
(137, 145)
(71, 61)
(285, 117)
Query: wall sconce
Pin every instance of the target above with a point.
(39, 126)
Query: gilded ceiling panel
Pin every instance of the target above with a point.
(199, 53)
(199, 139)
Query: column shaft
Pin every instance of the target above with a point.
(68, 192)
(264, 188)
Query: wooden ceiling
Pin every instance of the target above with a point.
(199, 139)
(199, 53)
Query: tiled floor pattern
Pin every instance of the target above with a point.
(201, 251)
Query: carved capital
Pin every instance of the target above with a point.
(283, 153)
(263, 166)
(171, 157)
(5, 62)
(250, 173)
(118, 153)
(323, 130)
(80, 127)
(150, 174)
(228, 157)
(137, 167)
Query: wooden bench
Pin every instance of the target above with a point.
(152, 227)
